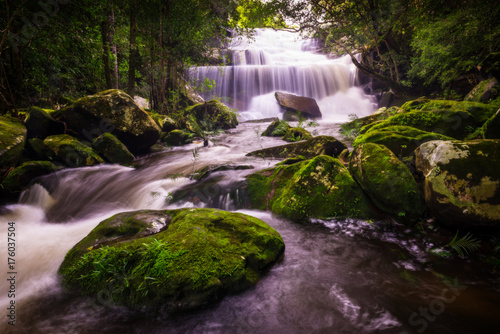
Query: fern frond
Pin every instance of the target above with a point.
(465, 245)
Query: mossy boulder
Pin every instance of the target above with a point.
(213, 115)
(13, 136)
(206, 171)
(165, 123)
(462, 181)
(454, 124)
(481, 112)
(387, 182)
(489, 130)
(379, 115)
(40, 123)
(401, 140)
(20, 177)
(277, 128)
(320, 145)
(171, 260)
(111, 111)
(318, 188)
(485, 91)
(296, 134)
(177, 138)
(69, 151)
(112, 149)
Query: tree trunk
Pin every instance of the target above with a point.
(112, 46)
(105, 52)
(133, 53)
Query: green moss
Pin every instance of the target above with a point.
(13, 136)
(19, 178)
(112, 149)
(401, 140)
(213, 115)
(296, 134)
(489, 130)
(198, 255)
(165, 123)
(277, 128)
(177, 138)
(71, 152)
(318, 188)
(480, 111)
(485, 92)
(387, 182)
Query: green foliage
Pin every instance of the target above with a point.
(462, 246)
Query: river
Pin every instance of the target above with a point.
(336, 276)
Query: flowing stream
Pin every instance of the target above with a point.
(337, 276)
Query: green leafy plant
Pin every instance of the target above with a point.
(463, 246)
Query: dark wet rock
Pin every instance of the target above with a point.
(20, 177)
(40, 124)
(171, 260)
(320, 145)
(209, 170)
(387, 182)
(485, 91)
(462, 181)
(112, 149)
(306, 107)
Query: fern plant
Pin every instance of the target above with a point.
(463, 246)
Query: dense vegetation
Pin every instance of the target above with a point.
(52, 50)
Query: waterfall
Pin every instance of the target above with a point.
(280, 61)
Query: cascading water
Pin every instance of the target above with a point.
(279, 61)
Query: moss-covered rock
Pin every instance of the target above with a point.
(171, 260)
(13, 136)
(112, 149)
(462, 181)
(401, 140)
(40, 123)
(454, 124)
(387, 182)
(206, 171)
(277, 128)
(165, 123)
(489, 130)
(318, 188)
(320, 145)
(296, 134)
(20, 177)
(111, 111)
(480, 111)
(485, 91)
(379, 115)
(213, 115)
(69, 151)
(177, 138)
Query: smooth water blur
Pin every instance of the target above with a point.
(280, 61)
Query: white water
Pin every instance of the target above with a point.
(279, 61)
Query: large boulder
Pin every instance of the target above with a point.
(112, 149)
(462, 181)
(318, 188)
(177, 138)
(69, 151)
(277, 128)
(320, 145)
(20, 177)
(165, 122)
(171, 260)
(401, 140)
(454, 124)
(485, 91)
(111, 111)
(213, 115)
(387, 182)
(40, 124)
(13, 136)
(306, 106)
